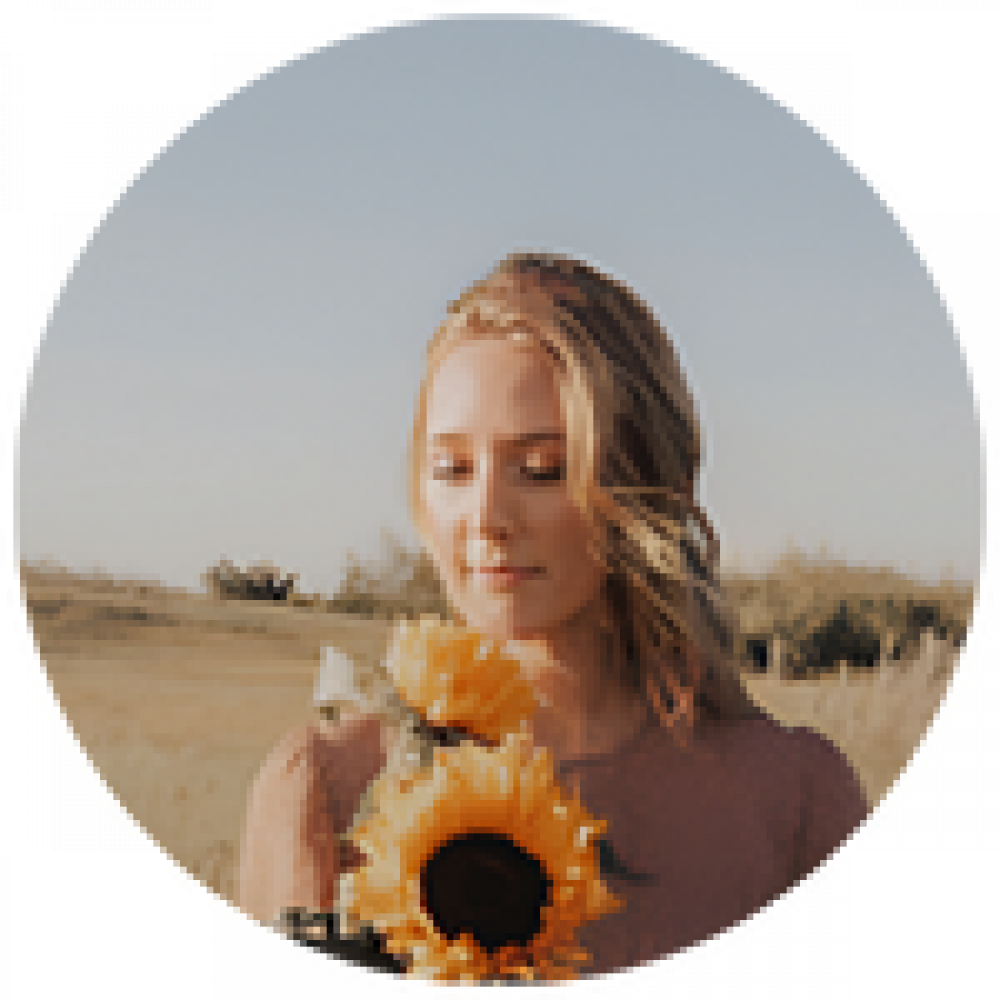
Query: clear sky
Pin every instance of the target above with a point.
(232, 367)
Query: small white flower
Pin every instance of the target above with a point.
(337, 682)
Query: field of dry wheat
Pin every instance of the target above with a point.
(177, 697)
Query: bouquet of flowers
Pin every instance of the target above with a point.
(480, 865)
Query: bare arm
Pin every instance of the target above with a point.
(304, 797)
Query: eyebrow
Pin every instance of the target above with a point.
(532, 437)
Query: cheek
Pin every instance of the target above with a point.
(559, 523)
(440, 525)
(563, 532)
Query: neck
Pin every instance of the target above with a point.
(569, 666)
(585, 708)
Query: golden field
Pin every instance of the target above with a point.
(177, 697)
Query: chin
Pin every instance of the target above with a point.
(505, 623)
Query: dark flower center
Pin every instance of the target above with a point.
(487, 885)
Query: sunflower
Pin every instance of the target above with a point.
(480, 867)
(459, 679)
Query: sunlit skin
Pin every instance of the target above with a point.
(508, 541)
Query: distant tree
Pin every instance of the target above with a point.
(260, 582)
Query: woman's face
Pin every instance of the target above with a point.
(507, 540)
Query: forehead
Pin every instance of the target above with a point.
(494, 389)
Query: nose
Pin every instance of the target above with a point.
(493, 514)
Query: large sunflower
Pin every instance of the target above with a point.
(480, 867)
(457, 678)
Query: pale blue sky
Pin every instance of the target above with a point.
(290, 254)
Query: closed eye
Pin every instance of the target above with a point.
(553, 474)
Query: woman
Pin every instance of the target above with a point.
(553, 461)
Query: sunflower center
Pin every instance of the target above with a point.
(487, 885)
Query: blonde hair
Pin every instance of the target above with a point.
(633, 454)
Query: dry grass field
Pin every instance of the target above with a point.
(177, 697)
(877, 719)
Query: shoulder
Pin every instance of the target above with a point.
(810, 764)
(830, 800)
(833, 793)
(834, 803)
(304, 797)
(353, 746)
(823, 770)
(797, 750)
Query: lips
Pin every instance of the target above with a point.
(502, 576)
(505, 569)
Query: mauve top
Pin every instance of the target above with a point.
(702, 837)
(710, 835)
